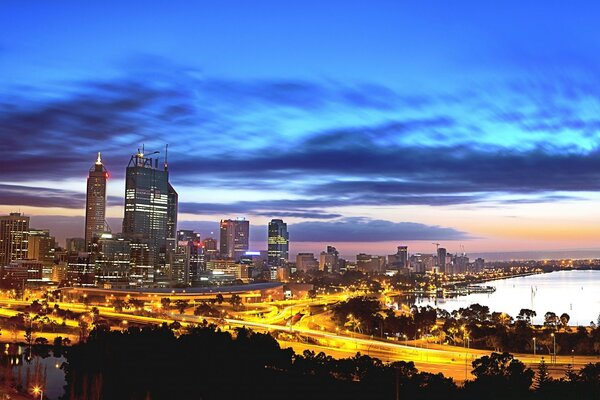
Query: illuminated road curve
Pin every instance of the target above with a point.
(450, 360)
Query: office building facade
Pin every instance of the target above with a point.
(95, 202)
(235, 237)
(149, 218)
(14, 238)
(278, 243)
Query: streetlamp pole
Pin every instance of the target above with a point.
(554, 345)
(534, 347)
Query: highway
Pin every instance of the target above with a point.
(452, 361)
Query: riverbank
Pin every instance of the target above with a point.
(497, 278)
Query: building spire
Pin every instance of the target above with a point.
(99, 160)
(166, 155)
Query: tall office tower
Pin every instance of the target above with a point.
(400, 259)
(211, 249)
(278, 244)
(14, 235)
(306, 261)
(41, 246)
(112, 259)
(368, 263)
(147, 214)
(441, 259)
(75, 245)
(329, 260)
(172, 218)
(95, 202)
(235, 237)
(190, 246)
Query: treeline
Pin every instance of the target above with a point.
(205, 363)
(475, 326)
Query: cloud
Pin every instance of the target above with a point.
(368, 230)
(273, 208)
(515, 138)
(342, 230)
(17, 195)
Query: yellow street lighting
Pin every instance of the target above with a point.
(38, 390)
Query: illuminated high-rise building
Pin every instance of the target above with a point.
(441, 259)
(191, 250)
(95, 202)
(211, 250)
(400, 259)
(112, 260)
(150, 217)
(235, 237)
(278, 244)
(41, 246)
(329, 260)
(14, 238)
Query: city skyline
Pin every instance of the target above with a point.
(458, 127)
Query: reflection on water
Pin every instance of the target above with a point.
(576, 293)
(22, 367)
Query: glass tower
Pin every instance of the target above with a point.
(234, 237)
(278, 243)
(148, 220)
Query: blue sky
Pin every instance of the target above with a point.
(360, 124)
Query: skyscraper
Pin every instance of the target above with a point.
(41, 246)
(441, 259)
(210, 248)
(172, 218)
(95, 202)
(278, 244)
(14, 233)
(150, 217)
(112, 261)
(235, 237)
(328, 260)
(400, 259)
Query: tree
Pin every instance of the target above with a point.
(526, 315)
(542, 376)
(564, 320)
(206, 310)
(508, 377)
(181, 305)
(83, 330)
(29, 335)
(165, 302)
(118, 305)
(236, 301)
(570, 374)
(551, 320)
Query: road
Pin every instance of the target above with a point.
(452, 361)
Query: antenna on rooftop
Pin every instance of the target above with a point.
(166, 156)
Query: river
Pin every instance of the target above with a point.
(576, 293)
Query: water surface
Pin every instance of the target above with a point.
(576, 293)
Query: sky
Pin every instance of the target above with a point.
(366, 125)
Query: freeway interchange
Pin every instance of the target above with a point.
(313, 331)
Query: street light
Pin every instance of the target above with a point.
(38, 390)
(534, 348)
